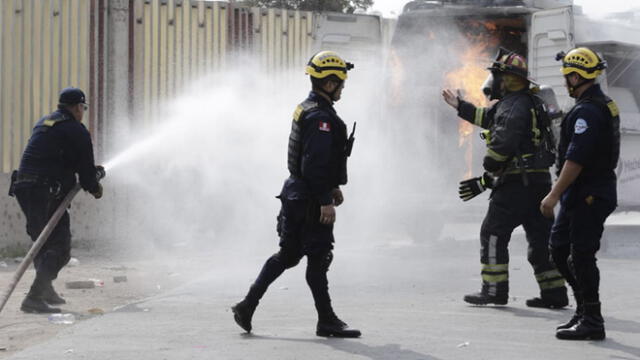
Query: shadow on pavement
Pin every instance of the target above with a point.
(626, 326)
(559, 315)
(356, 347)
(614, 345)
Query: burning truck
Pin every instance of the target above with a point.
(449, 44)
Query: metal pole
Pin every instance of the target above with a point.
(44, 235)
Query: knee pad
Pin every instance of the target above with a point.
(321, 262)
(287, 259)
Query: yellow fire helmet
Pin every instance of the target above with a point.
(327, 63)
(583, 61)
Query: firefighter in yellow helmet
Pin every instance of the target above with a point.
(519, 154)
(588, 154)
(318, 152)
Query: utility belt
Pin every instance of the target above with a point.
(21, 180)
(523, 169)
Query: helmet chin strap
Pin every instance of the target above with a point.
(572, 88)
(332, 94)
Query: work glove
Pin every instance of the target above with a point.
(473, 187)
(98, 193)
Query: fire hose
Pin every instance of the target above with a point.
(42, 238)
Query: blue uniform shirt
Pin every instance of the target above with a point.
(586, 139)
(61, 150)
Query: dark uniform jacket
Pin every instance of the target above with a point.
(317, 152)
(59, 148)
(590, 136)
(512, 130)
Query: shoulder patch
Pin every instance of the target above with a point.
(298, 112)
(581, 126)
(613, 108)
(324, 126)
(305, 106)
(52, 120)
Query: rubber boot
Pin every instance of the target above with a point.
(329, 325)
(243, 312)
(482, 298)
(50, 296)
(577, 315)
(550, 299)
(589, 327)
(34, 302)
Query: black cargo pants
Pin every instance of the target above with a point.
(38, 205)
(574, 242)
(301, 233)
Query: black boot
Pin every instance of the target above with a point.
(34, 302)
(481, 298)
(589, 327)
(550, 299)
(242, 314)
(50, 295)
(329, 325)
(576, 316)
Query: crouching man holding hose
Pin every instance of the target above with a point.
(59, 148)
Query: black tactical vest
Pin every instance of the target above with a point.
(294, 162)
(340, 145)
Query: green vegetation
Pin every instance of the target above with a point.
(346, 6)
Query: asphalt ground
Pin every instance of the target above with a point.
(405, 297)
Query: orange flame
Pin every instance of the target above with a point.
(469, 79)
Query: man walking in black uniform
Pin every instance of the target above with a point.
(519, 154)
(317, 162)
(586, 189)
(59, 148)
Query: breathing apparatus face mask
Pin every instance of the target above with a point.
(492, 86)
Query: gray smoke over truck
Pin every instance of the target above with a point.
(433, 40)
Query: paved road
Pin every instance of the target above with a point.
(405, 299)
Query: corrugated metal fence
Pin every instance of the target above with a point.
(175, 42)
(46, 45)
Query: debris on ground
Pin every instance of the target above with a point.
(119, 279)
(62, 319)
(97, 282)
(82, 284)
(73, 262)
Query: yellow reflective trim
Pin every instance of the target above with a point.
(49, 122)
(534, 128)
(528, 171)
(486, 136)
(298, 112)
(552, 284)
(495, 278)
(548, 275)
(495, 267)
(613, 108)
(496, 156)
(479, 116)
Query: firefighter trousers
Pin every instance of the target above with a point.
(512, 204)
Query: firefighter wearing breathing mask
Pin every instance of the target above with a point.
(588, 152)
(317, 161)
(520, 150)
